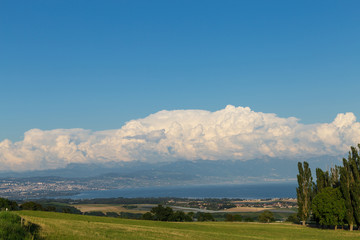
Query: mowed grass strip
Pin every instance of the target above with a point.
(71, 226)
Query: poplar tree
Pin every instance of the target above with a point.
(334, 178)
(350, 187)
(322, 180)
(304, 191)
(328, 178)
(354, 162)
(346, 180)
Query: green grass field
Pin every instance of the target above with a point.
(71, 226)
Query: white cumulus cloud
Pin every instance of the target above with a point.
(233, 133)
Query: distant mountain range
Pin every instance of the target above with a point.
(199, 172)
(77, 178)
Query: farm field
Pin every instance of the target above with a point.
(72, 226)
(112, 208)
(142, 208)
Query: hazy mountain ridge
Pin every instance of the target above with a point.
(76, 178)
(227, 169)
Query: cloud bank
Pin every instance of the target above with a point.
(233, 133)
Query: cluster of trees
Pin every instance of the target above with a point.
(335, 198)
(233, 218)
(161, 213)
(35, 206)
(6, 204)
(204, 217)
(9, 205)
(266, 217)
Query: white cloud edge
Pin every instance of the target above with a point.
(232, 133)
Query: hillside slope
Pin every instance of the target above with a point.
(70, 226)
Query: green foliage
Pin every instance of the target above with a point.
(304, 191)
(161, 213)
(322, 180)
(31, 206)
(180, 216)
(204, 217)
(293, 218)
(130, 215)
(8, 204)
(237, 218)
(10, 217)
(49, 206)
(147, 216)
(334, 177)
(266, 217)
(11, 229)
(346, 180)
(95, 213)
(248, 219)
(354, 162)
(129, 206)
(112, 214)
(229, 218)
(350, 186)
(233, 218)
(329, 207)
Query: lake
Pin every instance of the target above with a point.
(243, 191)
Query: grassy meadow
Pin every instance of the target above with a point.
(72, 226)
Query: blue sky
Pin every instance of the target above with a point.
(97, 64)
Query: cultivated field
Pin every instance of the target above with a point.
(71, 226)
(143, 208)
(111, 208)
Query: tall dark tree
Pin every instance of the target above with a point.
(334, 177)
(354, 163)
(322, 180)
(346, 180)
(327, 179)
(304, 191)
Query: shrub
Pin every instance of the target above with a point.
(10, 227)
(202, 217)
(95, 213)
(112, 214)
(31, 206)
(8, 204)
(266, 217)
(293, 218)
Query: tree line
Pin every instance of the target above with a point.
(335, 197)
(165, 213)
(161, 213)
